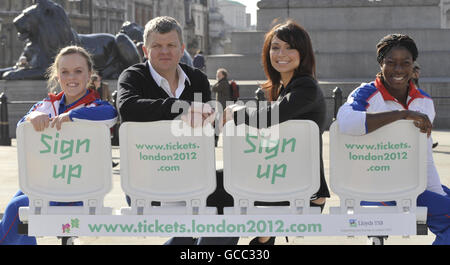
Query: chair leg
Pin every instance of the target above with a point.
(377, 240)
(67, 240)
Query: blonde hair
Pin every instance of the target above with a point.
(52, 71)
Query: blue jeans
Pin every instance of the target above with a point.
(438, 216)
(10, 222)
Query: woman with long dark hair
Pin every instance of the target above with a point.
(292, 88)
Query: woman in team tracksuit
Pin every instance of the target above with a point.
(394, 96)
(72, 70)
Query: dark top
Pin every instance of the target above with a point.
(223, 91)
(301, 99)
(140, 99)
(199, 61)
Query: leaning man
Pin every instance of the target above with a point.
(147, 91)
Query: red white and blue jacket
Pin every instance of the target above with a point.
(373, 98)
(87, 108)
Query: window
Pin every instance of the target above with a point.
(198, 23)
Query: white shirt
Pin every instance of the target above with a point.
(164, 84)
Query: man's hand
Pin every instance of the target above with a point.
(199, 114)
(227, 115)
(58, 120)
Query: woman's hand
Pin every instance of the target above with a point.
(39, 120)
(378, 120)
(58, 120)
(421, 121)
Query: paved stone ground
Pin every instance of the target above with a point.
(116, 199)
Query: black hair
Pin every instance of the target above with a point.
(396, 40)
(298, 38)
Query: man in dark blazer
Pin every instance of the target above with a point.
(160, 87)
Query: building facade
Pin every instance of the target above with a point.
(217, 29)
(234, 18)
(107, 16)
(234, 14)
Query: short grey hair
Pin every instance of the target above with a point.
(163, 24)
(223, 71)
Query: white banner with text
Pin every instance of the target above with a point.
(223, 225)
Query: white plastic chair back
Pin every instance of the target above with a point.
(73, 164)
(169, 162)
(281, 163)
(388, 164)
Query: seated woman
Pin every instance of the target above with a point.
(289, 64)
(394, 96)
(72, 70)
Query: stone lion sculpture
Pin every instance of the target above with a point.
(135, 33)
(45, 29)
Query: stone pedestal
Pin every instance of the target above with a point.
(340, 54)
(352, 14)
(344, 35)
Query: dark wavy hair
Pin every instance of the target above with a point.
(297, 37)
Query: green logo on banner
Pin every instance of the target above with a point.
(74, 223)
